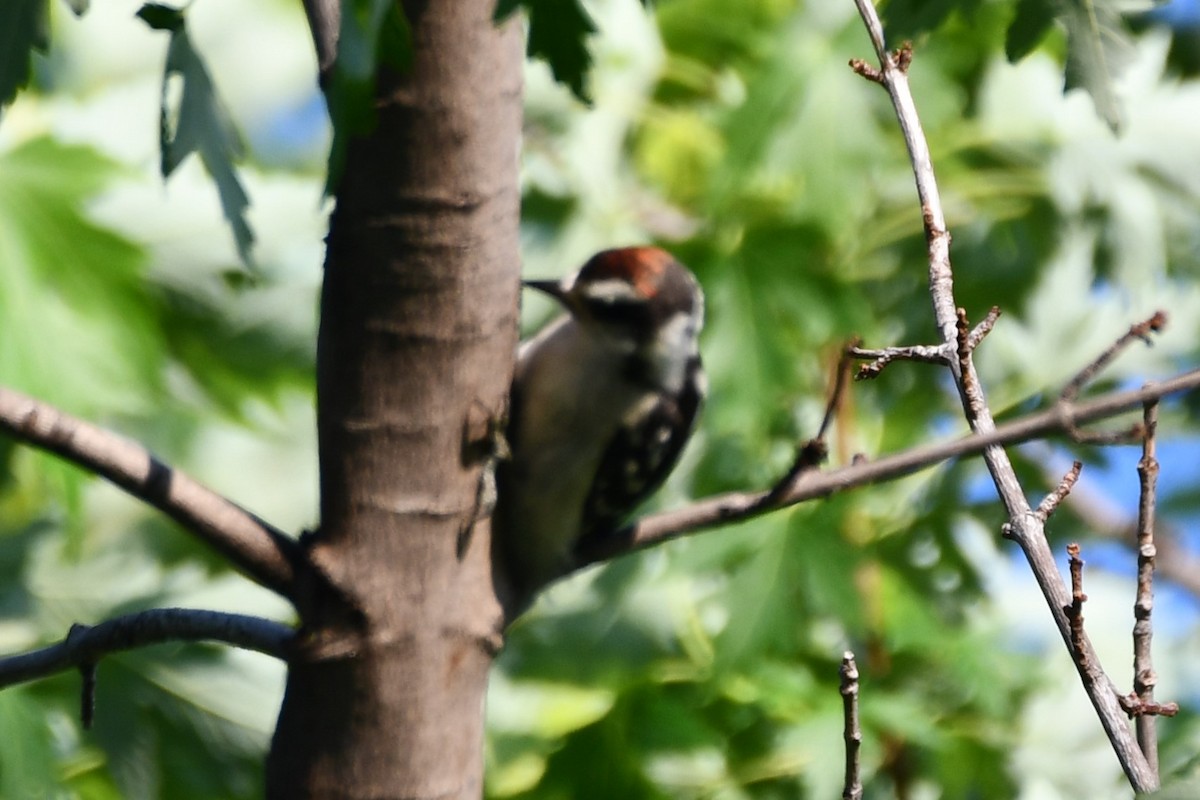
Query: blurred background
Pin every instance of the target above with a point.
(734, 134)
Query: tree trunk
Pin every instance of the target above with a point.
(418, 330)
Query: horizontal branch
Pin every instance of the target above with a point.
(738, 506)
(86, 645)
(258, 549)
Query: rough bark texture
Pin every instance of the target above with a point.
(418, 329)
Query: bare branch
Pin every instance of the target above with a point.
(928, 354)
(1023, 524)
(980, 331)
(962, 348)
(1052, 500)
(1137, 709)
(852, 733)
(1075, 611)
(1144, 678)
(1173, 561)
(85, 645)
(738, 506)
(1089, 665)
(263, 552)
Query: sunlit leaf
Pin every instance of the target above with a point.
(64, 275)
(193, 120)
(1098, 48)
(558, 33)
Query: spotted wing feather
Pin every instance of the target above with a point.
(627, 475)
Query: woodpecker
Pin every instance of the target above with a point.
(603, 400)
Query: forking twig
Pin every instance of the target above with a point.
(1024, 526)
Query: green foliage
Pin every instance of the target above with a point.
(910, 17)
(66, 275)
(558, 32)
(192, 120)
(1097, 49)
(23, 29)
(162, 356)
(1098, 40)
(1032, 22)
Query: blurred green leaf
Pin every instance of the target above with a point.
(1098, 49)
(1185, 789)
(1033, 21)
(27, 764)
(193, 120)
(558, 33)
(911, 17)
(65, 275)
(233, 359)
(161, 17)
(24, 27)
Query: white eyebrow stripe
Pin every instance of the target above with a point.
(611, 289)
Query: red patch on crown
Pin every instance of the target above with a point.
(641, 266)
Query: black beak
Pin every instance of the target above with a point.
(552, 288)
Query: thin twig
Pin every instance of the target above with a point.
(924, 353)
(1052, 500)
(962, 341)
(85, 645)
(1137, 708)
(1104, 438)
(1095, 679)
(1075, 610)
(851, 732)
(812, 454)
(1139, 331)
(1103, 518)
(880, 358)
(260, 550)
(980, 331)
(1023, 525)
(1144, 678)
(840, 380)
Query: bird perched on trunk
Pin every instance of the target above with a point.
(603, 401)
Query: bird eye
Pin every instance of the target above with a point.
(616, 311)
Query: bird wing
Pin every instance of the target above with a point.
(622, 481)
